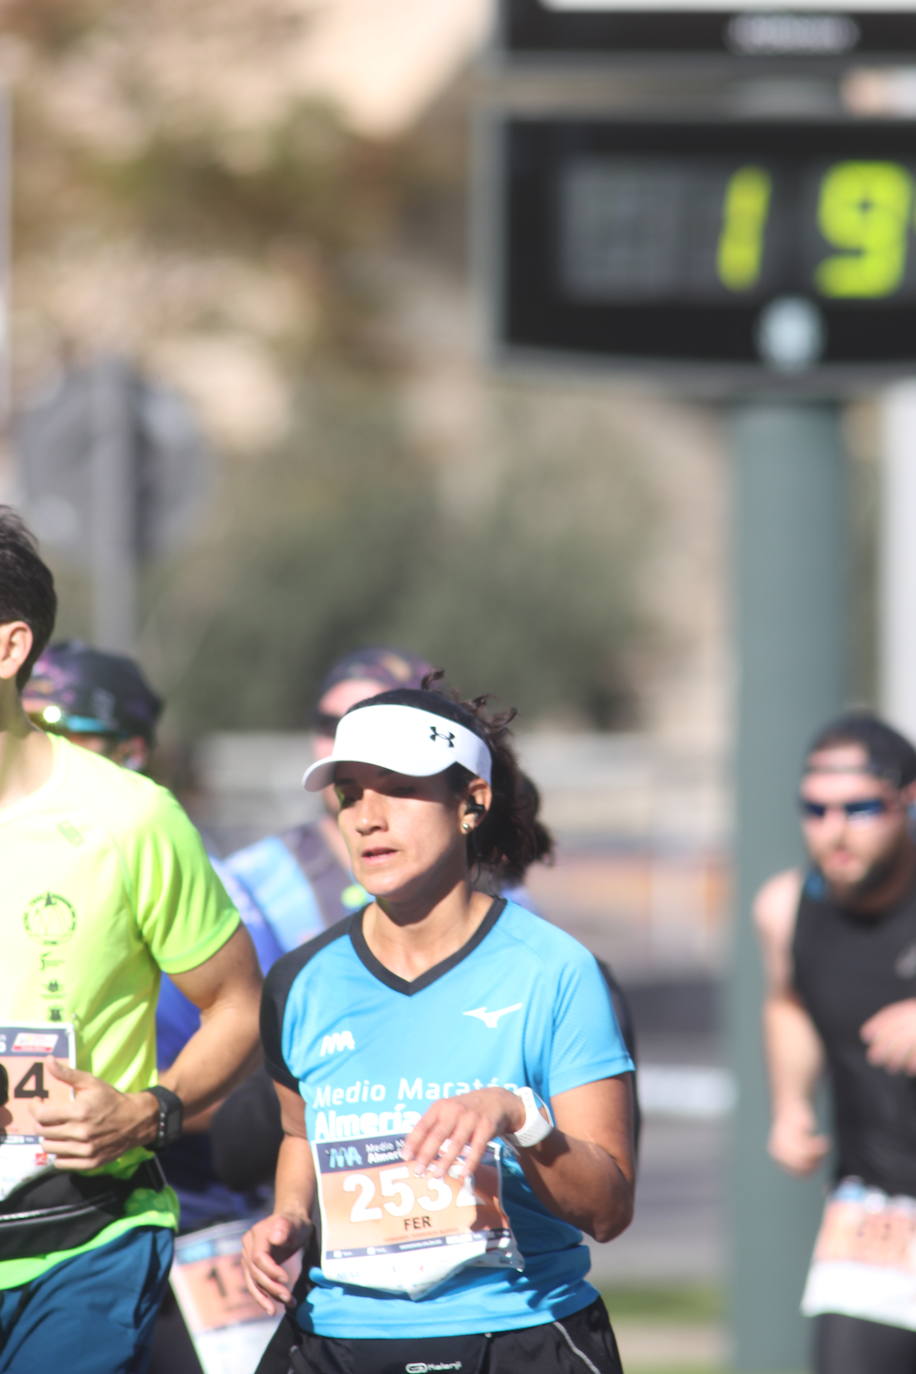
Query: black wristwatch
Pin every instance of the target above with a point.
(171, 1111)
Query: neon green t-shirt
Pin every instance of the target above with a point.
(105, 882)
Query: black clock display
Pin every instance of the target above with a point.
(782, 244)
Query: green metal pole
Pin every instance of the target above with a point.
(790, 610)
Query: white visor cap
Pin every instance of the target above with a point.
(403, 739)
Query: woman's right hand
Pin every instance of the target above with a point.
(265, 1249)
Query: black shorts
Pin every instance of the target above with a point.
(848, 1345)
(582, 1343)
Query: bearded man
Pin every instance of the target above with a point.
(839, 948)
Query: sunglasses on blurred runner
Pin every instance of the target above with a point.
(866, 810)
(325, 723)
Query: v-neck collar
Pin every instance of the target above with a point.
(409, 986)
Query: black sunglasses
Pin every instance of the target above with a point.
(325, 723)
(865, 810)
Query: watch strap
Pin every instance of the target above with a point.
(169, 1120)
(535, 1126)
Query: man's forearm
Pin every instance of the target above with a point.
(794, 1054)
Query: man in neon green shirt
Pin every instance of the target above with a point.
(105, 884)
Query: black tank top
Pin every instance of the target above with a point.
(847, 967)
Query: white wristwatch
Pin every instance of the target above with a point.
(535, 1126)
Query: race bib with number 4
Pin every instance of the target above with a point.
(24, 1083)
(388, 1228)
(864, 1262)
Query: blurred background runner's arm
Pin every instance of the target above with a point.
(794, 1053)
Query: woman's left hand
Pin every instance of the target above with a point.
(458, 1129)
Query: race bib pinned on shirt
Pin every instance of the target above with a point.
(25, 1082)
(864, 1262)
(388, 1228)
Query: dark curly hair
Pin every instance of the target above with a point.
(510, 837)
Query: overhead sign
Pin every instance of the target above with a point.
(759, 33)
(753, 249)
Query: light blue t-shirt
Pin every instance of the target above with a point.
(522, 1003)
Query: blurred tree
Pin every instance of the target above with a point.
(527, 588)
(163, 199)
(532, 590)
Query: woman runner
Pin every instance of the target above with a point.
(454, 1089)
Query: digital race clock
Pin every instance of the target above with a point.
(780, 245)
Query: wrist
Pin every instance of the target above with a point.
(299, 1221)
(167, 1118)
(146, 1110)
(533, 1123)
(295, 1216)
(793, 1112)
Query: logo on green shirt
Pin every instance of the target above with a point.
(50, 919)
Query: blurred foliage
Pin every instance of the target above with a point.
(510, 553)
(156, 179)
(343, 538)
(532, 592)
(48, 25)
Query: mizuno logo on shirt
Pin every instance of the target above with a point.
(491, 1018)
(336, 1042)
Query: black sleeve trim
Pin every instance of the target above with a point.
(628, 1030)
(425, 980)
(274, 997)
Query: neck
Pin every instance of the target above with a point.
(25, 752)
(411, 938)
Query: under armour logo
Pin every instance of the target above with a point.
(448, 736)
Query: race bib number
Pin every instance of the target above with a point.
(24, 1083)
(864, 1262)
(386, 1227)
(228, 1328)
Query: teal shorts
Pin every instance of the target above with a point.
(92, 1314)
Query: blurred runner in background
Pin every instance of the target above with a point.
(301, 878)
(106, 883)
(839, 946)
